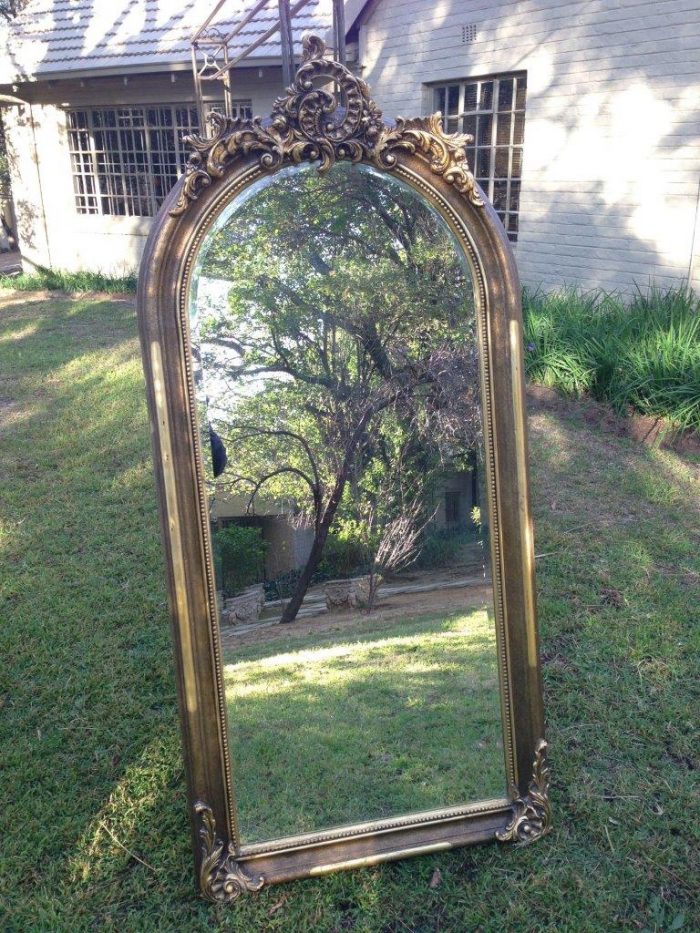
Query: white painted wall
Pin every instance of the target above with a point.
(612, 128)
(51, 231)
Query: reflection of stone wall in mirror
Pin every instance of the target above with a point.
(334, 320)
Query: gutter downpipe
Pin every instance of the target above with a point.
(41, 189)
(694, 240)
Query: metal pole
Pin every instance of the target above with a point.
(244, 22)
(207, 21)
(287, 43)
(339, 31)
(198, 92)
(227, 85)
(261, 40)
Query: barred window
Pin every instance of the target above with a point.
(492, 110)
(126, 159)
(242, 109)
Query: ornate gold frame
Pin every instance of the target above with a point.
(307, 126)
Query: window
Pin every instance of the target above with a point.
(240, 109)
(126, 159)
(492, 110)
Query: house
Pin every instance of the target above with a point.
(109, 95)
(289, 539)
(585, 118)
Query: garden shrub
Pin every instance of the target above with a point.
(444, 547)
(283, 586)
(347, 551)
(643, 355)
(239, 554)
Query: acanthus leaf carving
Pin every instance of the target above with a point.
(532, 815)
(222, 878)
(308, 125)
(445, 152)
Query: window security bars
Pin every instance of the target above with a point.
(492, 110)
(126, 159)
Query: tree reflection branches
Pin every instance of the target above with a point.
(345, 354)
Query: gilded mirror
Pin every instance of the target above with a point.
(331, 334)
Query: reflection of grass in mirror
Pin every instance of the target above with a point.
(319, 724)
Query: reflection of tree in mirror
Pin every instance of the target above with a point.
(345, 356)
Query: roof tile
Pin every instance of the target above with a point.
(58, 36)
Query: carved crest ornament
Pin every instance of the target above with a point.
(532, 817)
(308, 125)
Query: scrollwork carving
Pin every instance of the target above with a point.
(532, 817)
(308, 125)
(222, 879)
(445, 153)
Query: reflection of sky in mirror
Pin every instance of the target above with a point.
(209, 297)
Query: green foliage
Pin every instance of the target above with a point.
(645, 354)
(318, 360)
(348, 550)
(10, 8)
(337, 330)
(283, 585)
(69, 282)
(240, 554)
(444, 547)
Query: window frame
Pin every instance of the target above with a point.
(456, 121)
(109, 177)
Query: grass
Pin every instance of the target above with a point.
(70, 282)
(93, 818)
(644, 356)
(313, 714)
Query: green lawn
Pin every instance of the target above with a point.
(93, 826)
(331, 729)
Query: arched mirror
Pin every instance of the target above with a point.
(331, 333)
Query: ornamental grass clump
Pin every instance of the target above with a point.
(644, 355)
(82, 282)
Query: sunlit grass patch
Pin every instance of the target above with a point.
(379, 713)
(72, 282)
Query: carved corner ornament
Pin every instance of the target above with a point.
(308, 125)
(532, 816)
(222, 880)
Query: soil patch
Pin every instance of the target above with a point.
(388, 611)
(644, 429)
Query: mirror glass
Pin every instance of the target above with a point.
(337, 372)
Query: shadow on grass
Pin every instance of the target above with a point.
(86, 688)
(619, 643)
